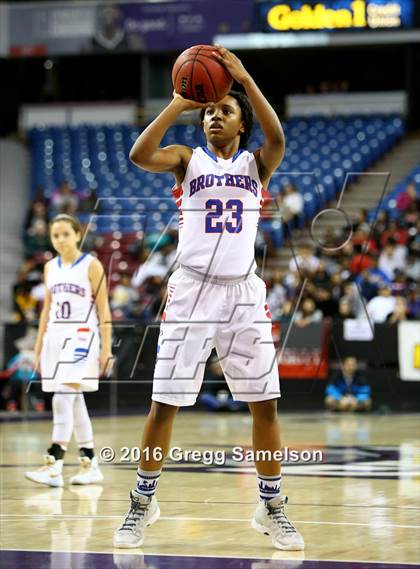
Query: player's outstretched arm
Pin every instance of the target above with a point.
(97, 279)
(271, 152)
(146, 151)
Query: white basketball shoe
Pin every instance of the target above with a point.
(144, 511)
(270, 519)
(89, 472)
(50, 474)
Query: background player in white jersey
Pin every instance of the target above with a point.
(215, 299)
(73, 348)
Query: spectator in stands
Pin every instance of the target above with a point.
(392, 257)
(360, 261)
(412, 268)
(325, 301)
(19, 373)
(413, 301)
(371, 279)
(305, 262)
(64, 200)
(397, 231)
(382, 305)
(37, 239)
(124, 296)
(380, 224)
(277, 293)
(308, 313)
(345, 310)
(285, 311)
(353, 297)
(290, 204)
(363, 239)
(89, 202)
(361, 218)
(25, 304)
(348, 389)
(400, 312)
(407, 198)
(37, 211)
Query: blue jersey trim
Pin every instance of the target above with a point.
(214, 157)
(235, 156)
(60, 263)
(209, 153)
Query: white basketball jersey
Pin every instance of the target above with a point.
(219, 202)
(72, 299)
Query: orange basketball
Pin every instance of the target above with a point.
(199, 76)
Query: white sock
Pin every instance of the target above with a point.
(147, 481)
(62, 405)
(269, 486)
(83, 431)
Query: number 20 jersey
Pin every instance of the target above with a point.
(219, 204)
(72, 301)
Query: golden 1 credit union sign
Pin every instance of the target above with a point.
(359, 14)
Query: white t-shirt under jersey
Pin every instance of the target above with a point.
(219, 202)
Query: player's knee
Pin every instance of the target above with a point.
(161, 412)
(61, 403)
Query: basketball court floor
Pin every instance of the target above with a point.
(357, 507)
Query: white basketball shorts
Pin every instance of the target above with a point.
(232, 318)
(70, 354)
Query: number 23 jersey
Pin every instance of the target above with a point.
(219, 204)
(72, 299)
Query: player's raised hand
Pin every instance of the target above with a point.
(187, 104)
(232, 63)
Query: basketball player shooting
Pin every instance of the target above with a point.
(215, 298)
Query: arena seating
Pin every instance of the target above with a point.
(320, 152)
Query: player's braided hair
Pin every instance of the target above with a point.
(247, 116)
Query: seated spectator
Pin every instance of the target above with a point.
(64, 200)
(352, 296)
(348, 389)
(89, 202)
(392, 257)
(381, 306)
(363, 240)
(360, 261)
(407, 198)
(308, 313)
(37, 210)
(305, 262)
(18, 374)
(325, 301)
(320, 277)
(37, 239)
(276, 294)
(400, 234)
(25, 304)
(124, 296)
(400, 312)
(345, 310)
(290, 204)
(412, 268)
